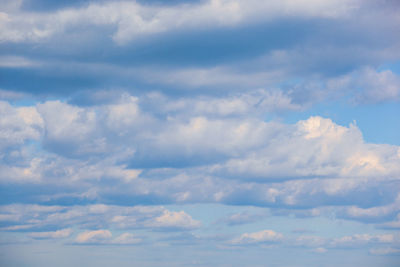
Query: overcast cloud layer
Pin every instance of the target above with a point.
(200, 133)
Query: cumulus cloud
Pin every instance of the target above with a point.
(112, 109)
(316, 147)
(265, 236)
(179, 220)
(184, 159)
(98, 236)
(190, 141)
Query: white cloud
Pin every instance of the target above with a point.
(172, 219)
(104, 237)
(64, 233)
(98, 216)
(132, 19)
(265, 236)
(377, 212)
(18, 124)
(310, 164)
(316, 147)
(70, 124)
(97, 236)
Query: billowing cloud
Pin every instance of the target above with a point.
(197, 124)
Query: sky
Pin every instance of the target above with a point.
(200, 133)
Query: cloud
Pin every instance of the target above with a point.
(179, 220)
(341, 153)
(124, 151)
(23, 217)
(131, 121)
(265, 236)
(64, 233)
(359, 240)
(19, 125)
(97, 236)
(379, 213)
(133, 20)
(104, 237)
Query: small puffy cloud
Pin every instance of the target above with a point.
(175, 220)
(93, 237)
(265, 236)
(64, 233)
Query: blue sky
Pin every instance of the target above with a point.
(200, 133)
